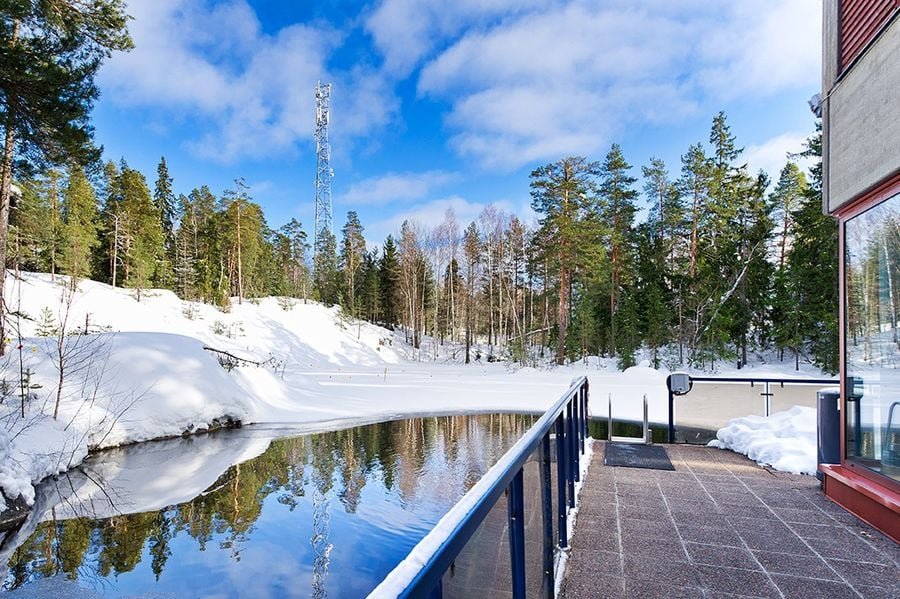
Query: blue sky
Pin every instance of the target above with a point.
(439, 105)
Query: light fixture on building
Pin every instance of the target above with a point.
(815, 105)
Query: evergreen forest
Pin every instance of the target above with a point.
(689, 264)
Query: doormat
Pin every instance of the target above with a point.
(627, 455)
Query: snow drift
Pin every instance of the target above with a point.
(785, 441)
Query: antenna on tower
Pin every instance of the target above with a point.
(323, 165)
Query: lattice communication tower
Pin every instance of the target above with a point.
(323, 164)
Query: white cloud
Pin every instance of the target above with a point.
(772, 154)
(395, 187)
(569, 77)
(762, 51)
(407, 31)
(251, 92)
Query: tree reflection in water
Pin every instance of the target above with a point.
(393, 480)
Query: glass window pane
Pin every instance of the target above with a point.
(872, 271)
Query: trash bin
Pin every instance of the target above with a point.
(829, 427)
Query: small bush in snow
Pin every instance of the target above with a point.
(189, 310)
(227, 362)
(46, 326)
(286, 303)
(232, 331)
(218, 327)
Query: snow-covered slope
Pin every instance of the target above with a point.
(143, 373)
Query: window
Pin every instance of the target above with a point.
(872, 291)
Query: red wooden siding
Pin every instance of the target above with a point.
(860, 20)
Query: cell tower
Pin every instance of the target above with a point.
(323, 164)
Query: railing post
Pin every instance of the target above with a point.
(516, 515)
(572, 454)
(587, 417)
(561, 467)
(582, 419)
(671, 409)
(547, 504)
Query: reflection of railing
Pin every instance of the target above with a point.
(752, 381)
(421, 573)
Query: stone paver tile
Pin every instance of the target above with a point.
(645, 589)
(645, 513)
(736, 499)
(640, 546)
(812, 588)
(745, 511)
(593, 586)
(660, 569)
(591, 562)
(809, 566)
(699, 518)
(847, 549)
(794, 515)
(784, 500)
(870, 592)
(648, 528)
(767, 525)
(712, 536)
(597, 539)
(817, 531)
(648, 501)
(716, 555)
(865, 573)
(766, 541)
(728, 580)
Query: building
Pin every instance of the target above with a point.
(861, 160)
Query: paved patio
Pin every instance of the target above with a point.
(721, 526)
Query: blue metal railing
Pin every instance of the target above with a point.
(421, 573)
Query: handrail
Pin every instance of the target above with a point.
(761, 379)
(421, 572)
(752, 380)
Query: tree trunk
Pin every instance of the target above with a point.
(239, 268)
(9, 141)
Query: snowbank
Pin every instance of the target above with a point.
(785, 441)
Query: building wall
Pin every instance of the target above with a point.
(861, 113)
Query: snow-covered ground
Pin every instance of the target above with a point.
(149, 376)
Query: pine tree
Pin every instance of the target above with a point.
(166, 207)
(30, 237)
(618, 212)
(141, 232)
(560, 194)
(51, 188)
(326, 271)
(298, 271)
(80, 230)
(370, 294)
(107, 258)
(243, 227)
(389, 282)
(353, 251)
(472, 254)
(812, 267)
(185, 264)
(51, 52)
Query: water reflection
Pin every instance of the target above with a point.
(325, 514)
